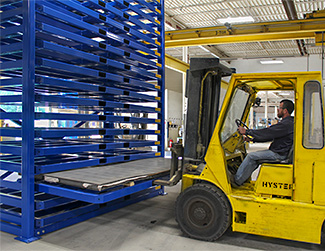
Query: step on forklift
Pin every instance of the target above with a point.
(287, 200)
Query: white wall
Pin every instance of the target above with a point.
(289, 65)
(173, 80)
(294, 64)
(174, 113)
(174, 103)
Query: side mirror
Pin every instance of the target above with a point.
(257, 102)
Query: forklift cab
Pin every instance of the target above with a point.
(277, 179)
(287, 200)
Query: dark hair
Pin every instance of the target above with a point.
(288, 104)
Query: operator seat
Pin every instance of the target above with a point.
(288, 160)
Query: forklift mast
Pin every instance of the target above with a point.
(203, 86)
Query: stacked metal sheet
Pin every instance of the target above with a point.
(82, 84)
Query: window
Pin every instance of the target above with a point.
(236, 110)
(313, 132)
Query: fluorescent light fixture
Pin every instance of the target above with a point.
(232, 20)
(273, 61)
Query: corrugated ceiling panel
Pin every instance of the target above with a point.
(204, 13)
(174, 4)
(279, 44)
(234, 5)
(315, 50)
(240, 46)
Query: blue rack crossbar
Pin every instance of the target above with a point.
(91, 197)
(53, 147)
(107, 207)
(80, 117)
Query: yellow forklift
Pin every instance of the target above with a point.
(287, 200)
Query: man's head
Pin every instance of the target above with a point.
(286, 108)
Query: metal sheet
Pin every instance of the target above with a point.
(100, 178)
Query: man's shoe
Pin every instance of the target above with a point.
(234, 184)
(232, 179)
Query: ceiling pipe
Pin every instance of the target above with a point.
(290, 9)
(291, 12)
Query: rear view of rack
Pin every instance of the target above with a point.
(82, 84)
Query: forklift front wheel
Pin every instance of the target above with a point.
(203, 212)
(322, 236)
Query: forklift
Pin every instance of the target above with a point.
(287, 200)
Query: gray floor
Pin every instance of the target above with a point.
(148, 225)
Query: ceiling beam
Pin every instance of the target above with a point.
(268, 31)
(291, 11)
(219, 53)
(174, 23)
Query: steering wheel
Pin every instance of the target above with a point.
(241, 123)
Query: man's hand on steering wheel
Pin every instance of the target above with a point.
(242, 127)
(242, 130)
(241, 123)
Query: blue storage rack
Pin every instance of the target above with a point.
(97, 68)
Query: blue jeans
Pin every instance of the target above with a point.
(250, 163)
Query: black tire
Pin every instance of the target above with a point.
(322, 236)
(203, 212)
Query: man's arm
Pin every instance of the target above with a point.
(266, 134)
(251, 135)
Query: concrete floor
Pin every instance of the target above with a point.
(148, 225)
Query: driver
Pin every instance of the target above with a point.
(281, 135)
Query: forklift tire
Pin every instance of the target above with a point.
(203, 212)
(322, 236)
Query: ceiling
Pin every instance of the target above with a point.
(182, 14)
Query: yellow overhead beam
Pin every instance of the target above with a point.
(320, 38)
(176, 64)
(316, 14)
(181, 66)
(255, 32)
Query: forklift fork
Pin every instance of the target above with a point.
(176, 170)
